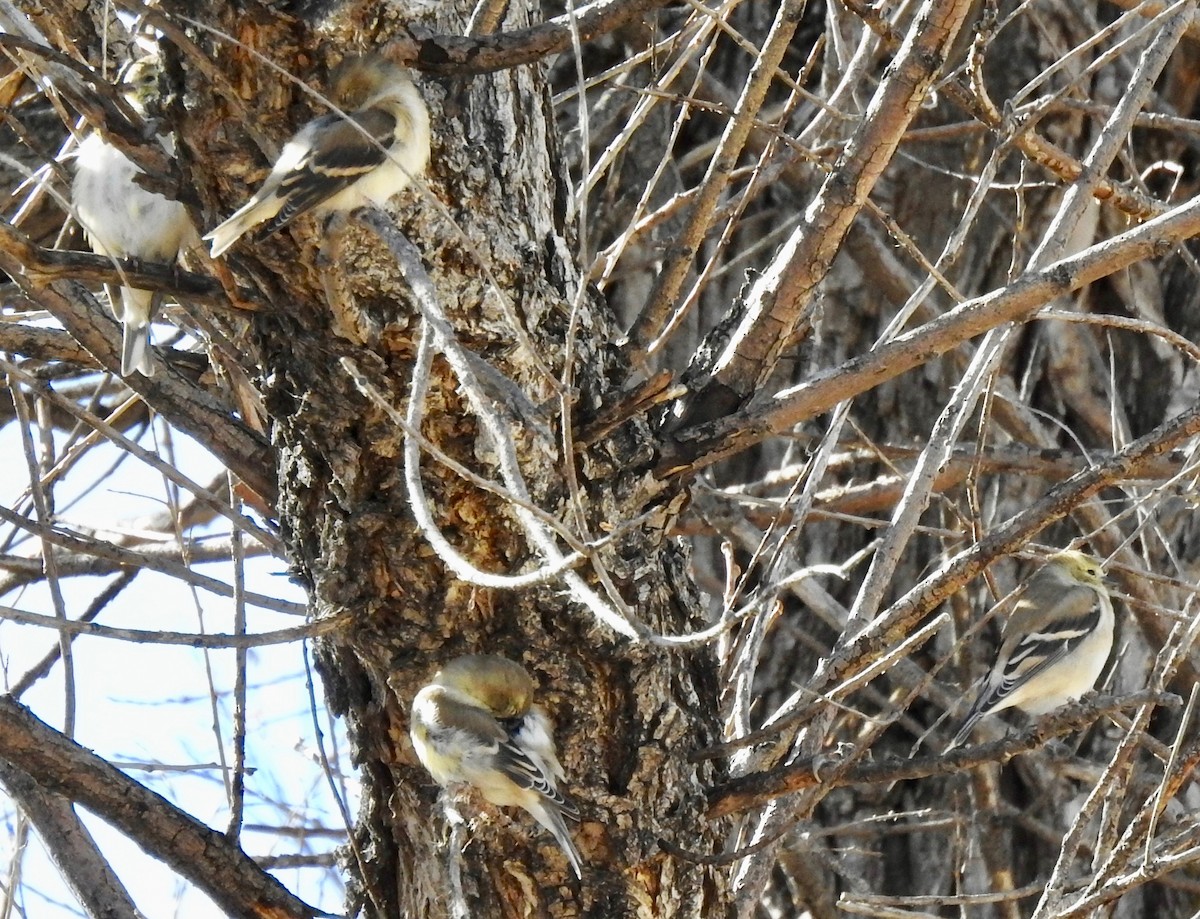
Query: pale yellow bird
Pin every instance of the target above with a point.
(335, 164)
(476, 723)
(124, 220)
(1055, 643)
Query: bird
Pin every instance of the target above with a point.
(1055, 641)
(476, 723)
(121, 219)
(341, 162)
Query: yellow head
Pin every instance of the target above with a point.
(141, 83)
(1079, 567)
(499, 685)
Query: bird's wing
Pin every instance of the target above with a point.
(458, 727)
(1037, 650)
(341, 153)
(529, 772)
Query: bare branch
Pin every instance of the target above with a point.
(757, 788)
(179, 400)
(706, 444)
(72, 848)
(457, 55)
(202, 855)
(779, 301)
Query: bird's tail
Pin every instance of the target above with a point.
(551, 818)
(137, 306)
(245, 219)
(977, 711)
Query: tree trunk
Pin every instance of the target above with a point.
(491, 229)
(814, 325)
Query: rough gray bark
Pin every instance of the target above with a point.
(496, 220)
(753, 379)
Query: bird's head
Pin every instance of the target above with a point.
(1079, 567)
(141, 84)
(358, 79)
(501, 686)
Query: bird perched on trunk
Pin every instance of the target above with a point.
(475, 723)
(1055, 642)
(124, 220)
(341, 162)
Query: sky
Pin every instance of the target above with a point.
(150, 708)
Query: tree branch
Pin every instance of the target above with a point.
(758, 788)
(44, 265)
(196, 852)
(780, 300)
(681, 251)
(184, 404)
(898, 621)
(457, 55)
(706, 444)
(72, 848)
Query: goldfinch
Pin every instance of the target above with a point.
(335, 164)
(476, 723)
(1055, 642)
(123, 220)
